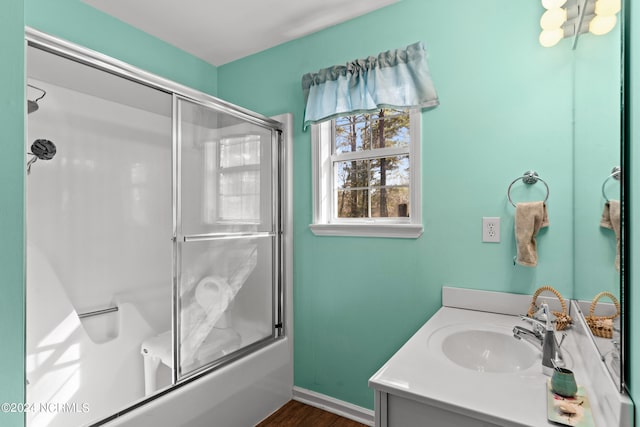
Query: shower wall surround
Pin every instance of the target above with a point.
(99, 231)
(81, 191)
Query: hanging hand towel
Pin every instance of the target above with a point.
(530, 217)
(611, 219)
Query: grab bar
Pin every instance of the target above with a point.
(98, 312)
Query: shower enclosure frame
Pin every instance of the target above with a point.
(281, 271)
(179, 237)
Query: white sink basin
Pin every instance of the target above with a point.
(484, 349)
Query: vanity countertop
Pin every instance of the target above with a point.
(419, 373)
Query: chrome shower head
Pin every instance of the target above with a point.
(42, 149)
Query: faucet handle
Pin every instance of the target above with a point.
(564, 335)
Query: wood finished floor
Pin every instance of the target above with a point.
(297, 414)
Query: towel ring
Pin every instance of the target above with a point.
(616, 172)
(529, 177)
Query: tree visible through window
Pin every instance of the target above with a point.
(370, 159)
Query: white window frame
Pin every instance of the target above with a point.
(324, 224)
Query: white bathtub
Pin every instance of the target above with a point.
(237, 395)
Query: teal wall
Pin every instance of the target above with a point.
(12, 249)
(506, 107)
(77, 22)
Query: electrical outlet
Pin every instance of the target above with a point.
(491, 229)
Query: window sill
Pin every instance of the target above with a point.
(403, 231)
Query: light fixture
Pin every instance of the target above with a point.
(608, 7)
(601, 24)
(553, 18)
(550, 38)
(556, 18)
(566, 18)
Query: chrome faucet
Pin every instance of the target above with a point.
(543, 336)
(534, 336)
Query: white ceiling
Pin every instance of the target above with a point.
(221, 31)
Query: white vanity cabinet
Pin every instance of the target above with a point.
(397, 411)
(421, 385)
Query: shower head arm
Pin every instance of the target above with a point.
(30, 162)
(44, 92)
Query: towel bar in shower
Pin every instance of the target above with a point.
(616, 173)
(529, 177)
(97, 312)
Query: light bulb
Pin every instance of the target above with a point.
(608, 7)
(553, 4)
(550, 38)
(600, 25)
(553, 19)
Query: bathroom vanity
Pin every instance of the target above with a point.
(464, 368)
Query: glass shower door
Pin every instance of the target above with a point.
(226, 235)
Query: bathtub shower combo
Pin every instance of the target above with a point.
(154, 234)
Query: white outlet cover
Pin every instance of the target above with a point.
(491, 229)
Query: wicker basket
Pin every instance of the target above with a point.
(563, 320)
(602, 326)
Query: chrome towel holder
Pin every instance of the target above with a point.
(529, 177)
(616, 173)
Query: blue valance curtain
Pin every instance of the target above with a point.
(394, 79)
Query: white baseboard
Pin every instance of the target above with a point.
(338, 407)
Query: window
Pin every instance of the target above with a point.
(231, 191)
(366, 171)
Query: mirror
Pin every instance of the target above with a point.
(597, 136)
